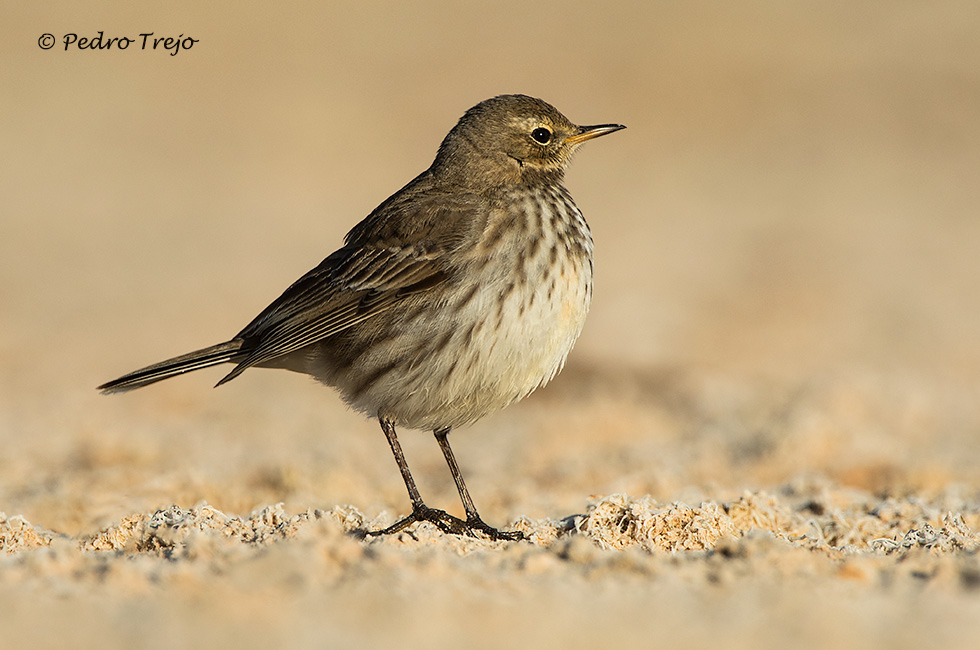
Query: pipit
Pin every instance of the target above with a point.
(460, 294)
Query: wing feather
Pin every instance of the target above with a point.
(365, 278)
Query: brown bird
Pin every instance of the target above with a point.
(460, 294)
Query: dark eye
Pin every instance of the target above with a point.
(541, 135)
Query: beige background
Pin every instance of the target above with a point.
(787, 301)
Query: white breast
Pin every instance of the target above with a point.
(504, 331)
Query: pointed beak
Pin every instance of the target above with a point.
(589, 132)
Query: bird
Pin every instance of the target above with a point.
(460, 294)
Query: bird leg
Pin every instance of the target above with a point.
(421, 512)
(473, 520)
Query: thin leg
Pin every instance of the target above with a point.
(420, 512)
(442, 437)
(472, 516)
(396, 449)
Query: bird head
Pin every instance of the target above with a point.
(512, 139)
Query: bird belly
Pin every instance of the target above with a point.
(498, 330)
(448, 364)
(499, 351)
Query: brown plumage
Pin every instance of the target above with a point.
(460, 294)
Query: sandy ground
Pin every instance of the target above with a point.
(768, 435)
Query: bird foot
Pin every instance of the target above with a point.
(449, 524)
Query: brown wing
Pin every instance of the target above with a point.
(400, 250)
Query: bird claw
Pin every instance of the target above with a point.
(449, 524)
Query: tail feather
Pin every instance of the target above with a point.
(196, 360)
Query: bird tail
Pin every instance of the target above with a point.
(196, 360)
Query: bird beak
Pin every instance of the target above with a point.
(589, 132)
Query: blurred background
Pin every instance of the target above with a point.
(787, 298)
(795, 198)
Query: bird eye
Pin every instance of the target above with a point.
(541, 135)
